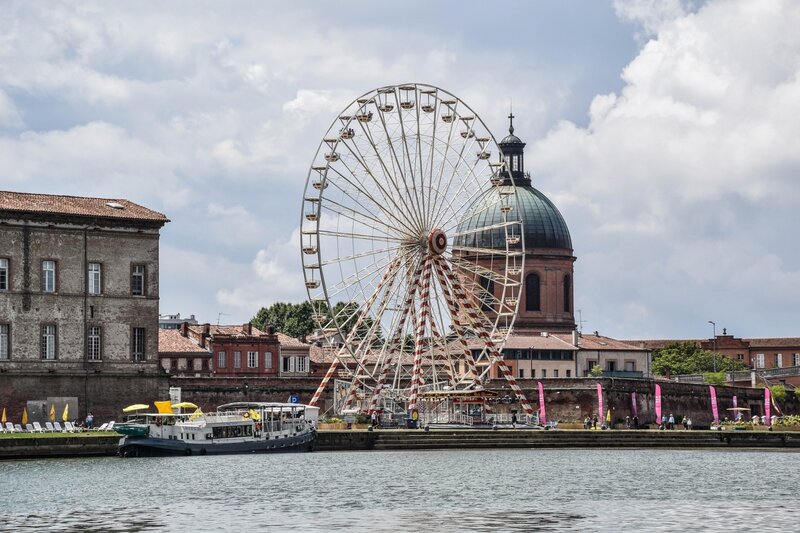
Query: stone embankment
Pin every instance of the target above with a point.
(475, 439)
(330, 441)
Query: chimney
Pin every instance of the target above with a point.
(248, 328)
(206, 329)
(574, 337)
(184, 329)
(271, 329)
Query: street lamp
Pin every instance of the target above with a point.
(714, 342)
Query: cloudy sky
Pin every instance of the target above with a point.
(665, 131)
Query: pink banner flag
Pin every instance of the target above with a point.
(767, 405)
(542, 411)
(634, 406)
(658, 404)
(714, 410)
(736, 414)
(601, 415)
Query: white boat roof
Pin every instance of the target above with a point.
(256, 405)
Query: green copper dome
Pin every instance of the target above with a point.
(543, 225)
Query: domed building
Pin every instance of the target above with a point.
(547, 297)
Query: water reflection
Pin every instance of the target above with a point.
(470, 491)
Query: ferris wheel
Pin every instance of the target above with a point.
(412, 248)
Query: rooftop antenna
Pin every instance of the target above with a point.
(580, 321)
(219, 315)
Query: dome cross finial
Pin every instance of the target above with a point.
(511, 123)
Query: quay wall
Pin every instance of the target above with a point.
(566, 399)
(80, 445)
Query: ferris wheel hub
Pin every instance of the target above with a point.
(437, 241)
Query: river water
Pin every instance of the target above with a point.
(486, 490)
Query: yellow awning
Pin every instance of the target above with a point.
(135, 407)
(163, 407)
(184, 405)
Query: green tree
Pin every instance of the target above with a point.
(778, 393)
(596, 371)
(290, 319)
(689, 358)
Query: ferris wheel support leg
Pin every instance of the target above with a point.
(416, 377)
(389, 272)
(452, 309)
(495, 356)
(407, 305)
(324, 382)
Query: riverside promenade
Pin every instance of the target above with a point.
(93, 444)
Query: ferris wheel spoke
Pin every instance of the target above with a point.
(363, 215)
(389, 171)
(459, 157)
(394, 214)
(462, 185)
(387, 196)
(408, 161)
(397, 164)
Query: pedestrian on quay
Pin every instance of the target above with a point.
(685, 422)
(688, 423)
(671, 422)
(635, 422)
(89, 421)
(663, 422)
(374, 417)
(514, 420)
(587, 423)
(628, 422)
(594, 422)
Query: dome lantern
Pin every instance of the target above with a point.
(513, 154)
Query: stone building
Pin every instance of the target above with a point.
(79, 294)
(78, 284)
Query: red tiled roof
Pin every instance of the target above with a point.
(601, 343)
(235, 330)
(290, 342)
(77, 205)
(171, 341)
(781, 342)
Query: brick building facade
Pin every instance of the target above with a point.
(237, 350)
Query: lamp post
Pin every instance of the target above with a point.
(714, 342)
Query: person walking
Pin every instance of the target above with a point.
(628, 422)
(89, 421)
(671, 422)
(685, 422)
(688, 423)
(514, 420)
(594, 422)
(587, 422)
(635, 422)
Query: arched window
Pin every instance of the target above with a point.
(566, 293)
(532, 293)
(487, 294)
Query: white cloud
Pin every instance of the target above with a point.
(676, 185)
(652, 14)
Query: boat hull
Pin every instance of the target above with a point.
(132, 446)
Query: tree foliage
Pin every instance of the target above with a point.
(295, 319)
(688, 358)
(778, 393)
(290, 319)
